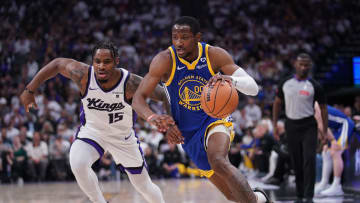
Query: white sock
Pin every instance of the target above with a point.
(327, 167)
(146, 187)
(260, 197)
(273, 162)
(272, 165)
(82, 156)
(337, 181)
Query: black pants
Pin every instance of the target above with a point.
(302, 140)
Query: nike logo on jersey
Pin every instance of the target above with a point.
(93, 88)
(100, 105)
(181, 67)
(126, 138)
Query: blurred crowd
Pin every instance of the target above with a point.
(262, 37)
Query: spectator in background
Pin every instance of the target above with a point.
(106, 164)
(5, 138)
(172, 158)
(38, 158)
(20, 160)
(265, 143)
(253, 111)
(280, 163)
(152, 161)
(58, 155)
(299, 93)
(6, 161)
(153, 137)
(241, 120)
(70, 105)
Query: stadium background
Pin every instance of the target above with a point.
(263, 37)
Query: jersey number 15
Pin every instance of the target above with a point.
(115, 117)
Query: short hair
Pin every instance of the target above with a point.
(192, 22)
(106, 45)
(304, 56)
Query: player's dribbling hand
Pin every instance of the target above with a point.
(28, 100)
(161, 122)
(223, 78)
(174, 136)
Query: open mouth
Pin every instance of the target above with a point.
(180, 51)
(102, 74)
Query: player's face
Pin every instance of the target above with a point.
(184, 40)
(303, 67)
(104, 64)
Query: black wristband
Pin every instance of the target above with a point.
(31, 92)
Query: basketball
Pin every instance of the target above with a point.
(219, 101)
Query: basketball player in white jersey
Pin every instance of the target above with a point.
(106, 119)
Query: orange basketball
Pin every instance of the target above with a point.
(219, 101)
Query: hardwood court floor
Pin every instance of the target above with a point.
(175, 191)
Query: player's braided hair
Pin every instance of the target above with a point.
(106, 45)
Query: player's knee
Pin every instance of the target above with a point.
(335, 151)
(218, 163)
(78, 165)
(335, 147)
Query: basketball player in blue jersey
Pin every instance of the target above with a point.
(106, 116)
(185, 68)
(340, 129)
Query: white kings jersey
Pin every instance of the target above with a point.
(107, 113)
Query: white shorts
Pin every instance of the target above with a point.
(125, 150)
(218, 128)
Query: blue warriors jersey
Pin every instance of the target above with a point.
(341, 126)
(184, 88)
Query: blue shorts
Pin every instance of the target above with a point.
(196, 150)
(343, 134)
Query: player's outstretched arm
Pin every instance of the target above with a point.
(158, 94)
(160, 68)
(134, 81)
(74, 70)
(222, 61)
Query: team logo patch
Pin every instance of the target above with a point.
(190, 88)
(304, 92)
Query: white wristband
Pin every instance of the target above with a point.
(244, 83)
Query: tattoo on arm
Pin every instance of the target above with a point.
(159, 94)
(132, 85)
(77, 75)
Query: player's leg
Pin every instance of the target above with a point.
(295, 134)
(337, 146)
(128, 155)
(218, 181)
(146, 187)
(235, 186)
(335, 188)
(82, 156)
(326, 170)
(336, 152)
(309, 145)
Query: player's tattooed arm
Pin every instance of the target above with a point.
(77, 75)
(69, 68)
(158, 94)
(74, 70)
